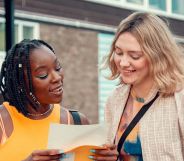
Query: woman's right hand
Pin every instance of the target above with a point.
(44, 155)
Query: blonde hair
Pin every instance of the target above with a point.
(158, 45)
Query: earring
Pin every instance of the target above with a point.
(34, 98)
(20, 90)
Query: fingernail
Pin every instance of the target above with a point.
(90, 157)
(64, 156)
(92, 151)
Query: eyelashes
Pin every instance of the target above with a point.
(44, 76)
(132, 55)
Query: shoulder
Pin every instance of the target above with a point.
(180, 92)
(84, 119)
(67, 116)
(6, 124)
(119, 92)
(179, 95)
(179, 99)
(4, 113)
(78, 117)
(123, 88)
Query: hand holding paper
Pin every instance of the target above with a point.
(109, 153)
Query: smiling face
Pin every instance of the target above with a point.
(47, 76)
(130, 61)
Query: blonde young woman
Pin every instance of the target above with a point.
(146, 58)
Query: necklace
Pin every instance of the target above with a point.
(139, 99)
(41, 114)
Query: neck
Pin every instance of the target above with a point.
(143, 90)
(41, 112)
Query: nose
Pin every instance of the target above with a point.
(57, 76)
(124, 61)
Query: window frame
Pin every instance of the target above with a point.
(22, 23)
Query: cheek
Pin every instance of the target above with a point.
(62, 75)
(116, 61)
(40, 87)
(141, 63)
(143, 66)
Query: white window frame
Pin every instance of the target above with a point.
(2, 53)
(2, 20)
(21, 24)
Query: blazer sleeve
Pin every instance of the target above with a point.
(109, 119)
(179, 96)
(107, 111)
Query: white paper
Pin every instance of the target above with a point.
(67, 137)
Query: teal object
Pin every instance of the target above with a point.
(139, 99)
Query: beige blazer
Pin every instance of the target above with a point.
(161, 128)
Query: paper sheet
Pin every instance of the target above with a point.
(77, 139)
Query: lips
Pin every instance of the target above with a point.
(128, 71)
(57, 90)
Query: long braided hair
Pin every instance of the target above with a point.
(15, 68)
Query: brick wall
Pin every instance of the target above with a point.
(77, 50)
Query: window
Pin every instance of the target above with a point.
(23, 30)
(105, 86)
(173, 8)
(2, 36)
(2, 41)
(177, 6)
(26, 30)
(135, 1)
(158, 4)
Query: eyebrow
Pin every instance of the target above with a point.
(40, 67)
(116, 47)
(131, 51)
(44, 66)
(136, 52)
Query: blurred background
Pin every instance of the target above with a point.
(81, 32)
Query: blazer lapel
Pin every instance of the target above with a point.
(119, 104)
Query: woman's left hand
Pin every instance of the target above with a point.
(109, 153)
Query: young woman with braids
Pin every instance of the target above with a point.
(32, 85)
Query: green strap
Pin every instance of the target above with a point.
(76, 117)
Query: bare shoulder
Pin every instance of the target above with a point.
(66, 116)
(4, 113)
(84, 119)
(5, 122)
(80, 116)
(1, 120)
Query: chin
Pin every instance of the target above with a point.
(127, 82)
(58, 100)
